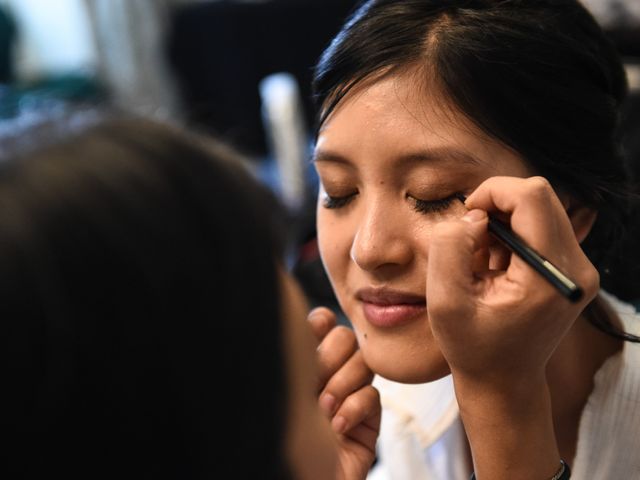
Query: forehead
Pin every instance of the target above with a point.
(405, 99)
(401, 115)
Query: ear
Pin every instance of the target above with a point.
(582, 218)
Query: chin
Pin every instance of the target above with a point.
(407, 368)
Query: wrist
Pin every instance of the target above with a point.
(509, 427)
(517, 396)
(563, 472)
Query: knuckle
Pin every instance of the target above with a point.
(321, 317)
(355, 403)
(321, 314)
(320, 325)
(344, 336)
(591, 282)
(539, 187)
(363, 403)
(353, 376)
(340, 386)
(336, 348)
(326, 360)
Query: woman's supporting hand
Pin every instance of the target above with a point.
(498, 327)
(346, 395)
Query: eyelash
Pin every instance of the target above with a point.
(421, 206)
(433, 206)
(337, 202)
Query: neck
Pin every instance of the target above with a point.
(570, 375)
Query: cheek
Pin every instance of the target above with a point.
(336, 233)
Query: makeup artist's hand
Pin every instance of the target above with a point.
(346, 395)
(507, 321)
(498, 328)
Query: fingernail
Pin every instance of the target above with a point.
(339, 424)
(327, 403)
(475, 215)
(313, 314)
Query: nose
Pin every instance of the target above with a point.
(381, 240)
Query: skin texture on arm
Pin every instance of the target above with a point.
(512, 323)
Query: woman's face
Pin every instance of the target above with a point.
(390, 158)
(311, 447)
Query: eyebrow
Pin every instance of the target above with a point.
(433, 155)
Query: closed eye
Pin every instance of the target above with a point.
(337, 202)
(433, 206)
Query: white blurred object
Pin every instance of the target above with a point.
(285, 127)
(378, 473)
(121, 40)
(54, 38)
(615, 13)
(130, 40)
(633, 76)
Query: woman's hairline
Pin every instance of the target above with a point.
(429, 82)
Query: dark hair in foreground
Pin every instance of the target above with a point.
(139, 310)
(537, 75)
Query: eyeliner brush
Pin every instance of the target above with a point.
(544, 267)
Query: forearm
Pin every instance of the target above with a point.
(510, 430)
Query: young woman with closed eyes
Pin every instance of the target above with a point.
(482, 365)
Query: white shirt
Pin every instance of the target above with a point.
(421, 435)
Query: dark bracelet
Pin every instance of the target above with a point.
(563, 473)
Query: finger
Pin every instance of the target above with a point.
(450, 268)
(335, 350)
(322, 320)
(536, 212)
(359, 408)
(538, 217)
(499, 256)
(351, 377)
(482, 257)
(365, 435)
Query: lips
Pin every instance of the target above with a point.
(388, 308)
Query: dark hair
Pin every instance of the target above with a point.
(539, 76)
(139, 310)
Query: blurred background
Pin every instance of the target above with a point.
(240, 70)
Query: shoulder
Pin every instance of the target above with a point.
(627, 313)
(620, 374)
(611, 419)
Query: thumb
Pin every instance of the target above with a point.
(450, 269)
